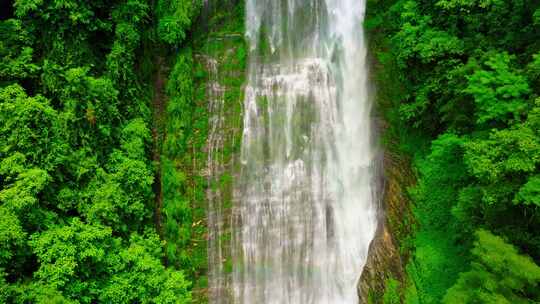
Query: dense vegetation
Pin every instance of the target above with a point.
(102, 125)
(77, 203)
(459, 82)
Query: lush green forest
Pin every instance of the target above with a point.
(82, 135)
(103, 128)
(102, 106)
(459, 83)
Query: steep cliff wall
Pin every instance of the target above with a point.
(388, 254)
(219, 73)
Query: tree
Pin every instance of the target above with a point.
(174, 19)
(499, 92)
(85, 262)
(464, 74)
(498, 274)
(30, 127)
(76, 179)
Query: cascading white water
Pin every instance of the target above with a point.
(305, 210)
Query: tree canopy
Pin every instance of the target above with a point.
(77, 203)
(463, 82)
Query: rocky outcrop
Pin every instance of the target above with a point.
(386, 257)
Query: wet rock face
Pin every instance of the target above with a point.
(222, 81)
(385, 259)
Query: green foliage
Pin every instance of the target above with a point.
(12, 235)
(73, 259)
(499, 93)
(504, 152)
(437, 249)
(504, 165)
(499, 274)
(536, 17)
(42, 146)
(179, 107)
(76, 179)
(463, 74)
(529, 194)
(443, 166)
(177, 214)
(391, 292)
(175, 19)
(16, 52)
(418, 41)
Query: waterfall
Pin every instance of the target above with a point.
(214, 170)
(305, 197)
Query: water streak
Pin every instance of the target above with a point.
(305, 198)
(214, 169)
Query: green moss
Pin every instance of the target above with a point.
(221, 39)
(392, 294)
(228, 266)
